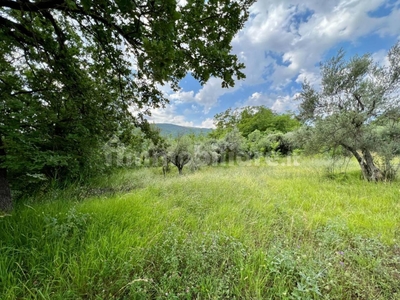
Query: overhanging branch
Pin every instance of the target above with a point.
(32, 6)
(9, 25)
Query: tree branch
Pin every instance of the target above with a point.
(32, 7)
(358, 98)
(60, 34)
(22, 30)
(44, 6)
(353, 151)
(107, 23)
(29, 92)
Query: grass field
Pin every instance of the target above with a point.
(228, 232)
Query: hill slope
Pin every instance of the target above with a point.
(175, 130)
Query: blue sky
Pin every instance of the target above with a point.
(282, 44)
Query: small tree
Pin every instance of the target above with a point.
(234, 143)
(355, 94)
(179, 153)
(254, 147)
(207, 152)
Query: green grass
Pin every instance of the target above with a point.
(244, 232)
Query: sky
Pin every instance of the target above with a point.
(282, 44)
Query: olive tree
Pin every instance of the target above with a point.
(234, 144)
(179, 152)
(355, 96)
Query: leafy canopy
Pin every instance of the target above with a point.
(251, 118)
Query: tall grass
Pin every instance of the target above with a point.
(244, 232)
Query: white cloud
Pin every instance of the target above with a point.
(169, 115)
(207, 123)
(182, 97)
(258, 99)
(277, 103)
(381, 58)
(284, 104)
(206, 97)
(313, 77)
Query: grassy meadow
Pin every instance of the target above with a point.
(227, 232)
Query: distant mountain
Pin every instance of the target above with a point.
(175, 130)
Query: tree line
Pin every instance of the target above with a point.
(241, 134)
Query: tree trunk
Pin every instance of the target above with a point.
(165, 165)
(371, 170)
(368, 168)
(5, 192)
(180, 169)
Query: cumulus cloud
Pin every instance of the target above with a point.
(381, 58)
(182, 96)
(207, 123)
(312, 76)
(169, 115)
(207, 97)
(284, 104)
(277, 103)
(258, 99)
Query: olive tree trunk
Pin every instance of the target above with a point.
(368, 168)
(370, 171)
(179, 160)
(180, 168)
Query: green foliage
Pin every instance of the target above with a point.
(263, 119)
(251, 118)
(262, 132)
(387, 139)
(66, 226)
(267, 143)
(208, 152)
(234, 140)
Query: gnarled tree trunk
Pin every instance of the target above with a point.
(180, 168)
(5, 192)
(371, 172)
(179, 160)
(368, 168)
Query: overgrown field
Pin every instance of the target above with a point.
(227, 232)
